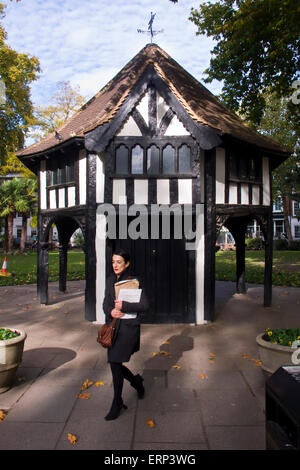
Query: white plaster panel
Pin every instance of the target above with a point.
(220, 175)
(244, 194)
(100, 178)
(200, 265)
(176, 128)
(163, 192)
(71, 196)
(140, 191)
(43, 185)
(130, 128)
(82, 178)
(266, 182)
(233, 193)
(142, 107)
(119, 191)
(185, 195)
(61, 198)
(100, 265)
(52, 198)
(161, 108)
(255, 194)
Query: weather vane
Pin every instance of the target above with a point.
(150, 29)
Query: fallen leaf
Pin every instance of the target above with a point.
(84, 396)
(86, 384)
(244, 356)
(257, 362)
(155, 354)
(72, 439)
(212, 355)
(2, 415)
(166, 342)
(98, 383)
(164, 353)
(203, 376)
(176, 367)
(150, 423)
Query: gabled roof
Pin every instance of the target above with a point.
(198, 102)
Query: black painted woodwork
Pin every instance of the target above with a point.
(168, 273)
(209, 233)
(90, 236)
(98, 139)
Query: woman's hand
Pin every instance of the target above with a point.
(116, 313)
(118, 305)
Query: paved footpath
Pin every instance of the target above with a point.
(204, 386)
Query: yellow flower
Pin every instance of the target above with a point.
(270, 333)
(298, 337)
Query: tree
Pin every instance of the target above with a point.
(17, 71)
(257, 50)
(17, 195)
(286, 178)
(65, 102)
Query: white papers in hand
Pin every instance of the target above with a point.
(130, 295)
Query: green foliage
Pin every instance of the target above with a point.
(17, 71)
(65, 102)
(6, 333)
(257, 50)
(283, 337)
(254, 244)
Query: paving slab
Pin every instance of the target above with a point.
(204, 387)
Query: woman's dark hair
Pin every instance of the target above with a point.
(120, 252)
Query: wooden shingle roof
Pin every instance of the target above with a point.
(200, 104)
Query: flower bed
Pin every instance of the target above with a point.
(6, 333)
(282, 336)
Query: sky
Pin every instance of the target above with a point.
(87, 42)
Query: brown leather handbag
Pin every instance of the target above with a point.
(106, 334)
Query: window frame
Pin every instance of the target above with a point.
(160, 143)
(246, 162)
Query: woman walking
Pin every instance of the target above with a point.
(127, 333)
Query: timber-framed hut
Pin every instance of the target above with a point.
(154, 136)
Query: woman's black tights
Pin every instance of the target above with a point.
(119, 373)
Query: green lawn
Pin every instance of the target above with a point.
(286, 267)
(24, 267)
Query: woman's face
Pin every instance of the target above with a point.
(118, 264)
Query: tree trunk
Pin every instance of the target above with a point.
(286, 212)
(23, 234)
(10, 223)
(5, 242)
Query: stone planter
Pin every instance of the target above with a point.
(11, 351)
(272, 355)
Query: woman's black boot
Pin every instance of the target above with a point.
(137, 383)
(115, 410)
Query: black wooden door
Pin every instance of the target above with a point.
(168, 273)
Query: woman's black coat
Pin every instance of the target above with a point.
(127, 334)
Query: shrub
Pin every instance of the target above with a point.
(281, 244)
(294, 245)
(254, 244)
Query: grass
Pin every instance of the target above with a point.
(24, 267)
(286, 267)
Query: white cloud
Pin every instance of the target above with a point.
(88, 42)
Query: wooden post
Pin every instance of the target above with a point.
(42, 272)
(209, 233)
(90, 235)
(63, 263)
(240, 261)
(268, 260)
